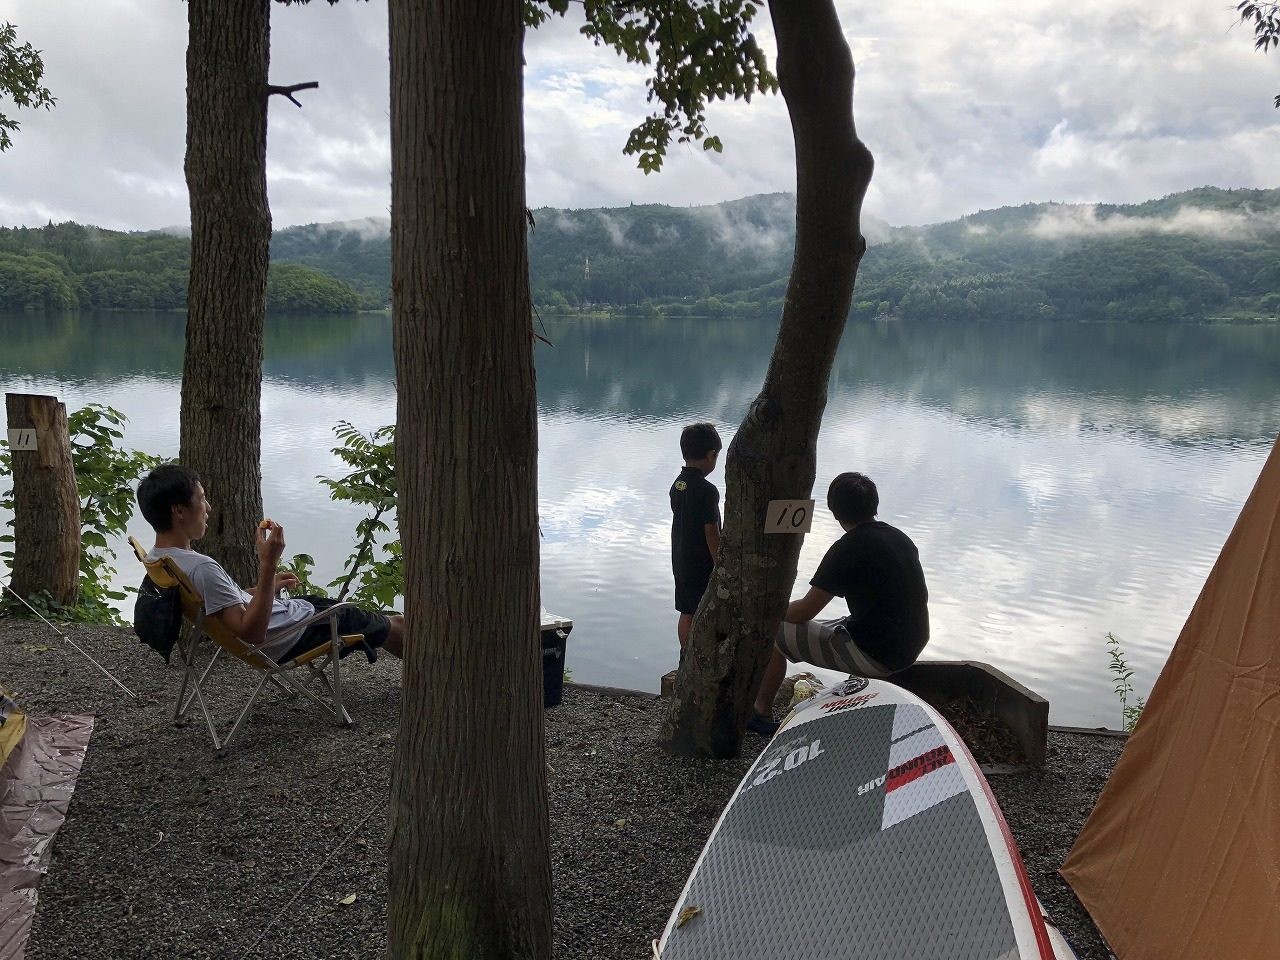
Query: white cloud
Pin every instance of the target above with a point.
(965, 107)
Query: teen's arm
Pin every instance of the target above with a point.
(808, 606)
(712, 531)
(249, 623)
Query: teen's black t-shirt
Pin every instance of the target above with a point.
(876, 568)
(695, 502)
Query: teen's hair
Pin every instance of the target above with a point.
(167, 486)
(699, 439)
(853, 498)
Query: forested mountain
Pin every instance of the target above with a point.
(1202, 253)
(69, 266)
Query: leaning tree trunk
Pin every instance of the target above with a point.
(226, 166)
(469, 870)
(773, 454)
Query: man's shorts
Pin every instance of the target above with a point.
(689, 592)
(375, 627)
(826, 643)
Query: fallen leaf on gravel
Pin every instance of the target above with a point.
(348, 900)
(687, 914)
(35, 647)
(620, 823)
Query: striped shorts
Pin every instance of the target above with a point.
(826, 643)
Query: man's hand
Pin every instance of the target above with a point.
(270, 543)
(285, 581)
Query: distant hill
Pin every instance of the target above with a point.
(1202, 253)
(68, 266)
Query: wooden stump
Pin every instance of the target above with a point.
(46, 506)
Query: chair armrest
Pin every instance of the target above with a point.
(348, 640)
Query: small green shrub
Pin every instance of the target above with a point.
(1122, 674)
(373, 575)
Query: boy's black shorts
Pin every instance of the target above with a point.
(375, 627)
(689, 591)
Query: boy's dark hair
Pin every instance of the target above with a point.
(699, 439)
(167, 486)
(853, 498)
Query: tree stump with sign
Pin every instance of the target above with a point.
(46, 506)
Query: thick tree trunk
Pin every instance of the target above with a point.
(226, 166)
(469, 861)
(46, 505)
(773, 454)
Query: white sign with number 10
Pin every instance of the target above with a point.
(789, 516)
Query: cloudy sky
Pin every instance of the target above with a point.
(966, 105)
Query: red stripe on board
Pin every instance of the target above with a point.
(1043, 943)
(917, 767)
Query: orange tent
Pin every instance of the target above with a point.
(1180, 859)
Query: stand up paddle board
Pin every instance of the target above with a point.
(865, 831)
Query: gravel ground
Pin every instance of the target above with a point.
(171, 852)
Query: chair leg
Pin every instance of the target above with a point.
(335, 656)
(333, 705)
(244, 713)
(198, 684)
(188, 650)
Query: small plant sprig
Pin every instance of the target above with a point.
(1119, 667)
(367, 578)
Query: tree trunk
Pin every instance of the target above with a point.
(226, 166)
(469, 871)
(46, 505)
(773, 455)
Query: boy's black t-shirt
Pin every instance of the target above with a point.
(876, 568)
(695, 502)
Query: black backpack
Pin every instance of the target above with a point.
(157, 617)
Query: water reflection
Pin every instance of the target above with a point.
(1061, 480)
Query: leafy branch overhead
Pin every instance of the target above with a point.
(1266, 25)
(21, 72)
(698, 51)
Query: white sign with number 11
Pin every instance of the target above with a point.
(789, 516)
(23, 438)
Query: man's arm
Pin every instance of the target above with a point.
(808, 606)
(712, 531)
(250, 623)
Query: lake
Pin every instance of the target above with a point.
(1061, 481)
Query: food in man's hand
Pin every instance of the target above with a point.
(264, 524)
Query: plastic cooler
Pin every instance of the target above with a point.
(555, 631)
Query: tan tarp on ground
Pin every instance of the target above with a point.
(1180, 858)
(40, 759)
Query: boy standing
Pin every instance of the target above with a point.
(695, 521)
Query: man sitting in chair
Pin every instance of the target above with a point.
(172, 500)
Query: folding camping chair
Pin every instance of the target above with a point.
(320, 662)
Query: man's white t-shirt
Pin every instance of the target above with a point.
(220, 592)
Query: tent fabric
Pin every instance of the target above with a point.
(1180, 858)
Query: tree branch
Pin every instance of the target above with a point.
(290, 90)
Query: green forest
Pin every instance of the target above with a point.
(1201, 254)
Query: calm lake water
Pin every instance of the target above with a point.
(1061, 481)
